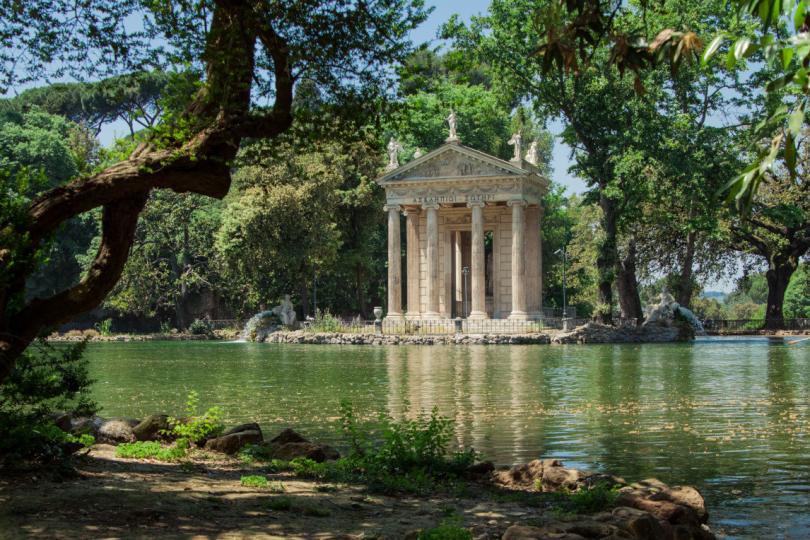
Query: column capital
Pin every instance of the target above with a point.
(390, 207)
(411, 210)
(516, 202)
(476, 204)
(430, 206)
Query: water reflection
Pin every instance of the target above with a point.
(728, 415)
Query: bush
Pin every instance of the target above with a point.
(200, 327)
(326, 322)
(45, 381)
(585, 501)
(104, 327)
(152, 450)
(254, 481)
(195, 427)
(449, 529)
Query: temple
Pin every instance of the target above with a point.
(472, 227)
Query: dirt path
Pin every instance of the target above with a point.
(117, 498)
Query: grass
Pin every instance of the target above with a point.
(449, 529)
(151, 450)
(254, 481)
(585, 501)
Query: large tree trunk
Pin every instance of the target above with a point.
(627, 285)
(218, 119)
(778, 277)
(685, 284)
(606, 261)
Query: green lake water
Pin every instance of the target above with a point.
(728, 415)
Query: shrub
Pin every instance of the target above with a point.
(45, 381)
(326, 322)
(104, 327)
(200, 327)
(585, 501)
(195, 427)
(254, 481)
(152, 450)
(165, 327)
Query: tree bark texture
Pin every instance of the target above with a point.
(197, 162)
(627, 285)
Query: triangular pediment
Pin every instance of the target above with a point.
(453, 161)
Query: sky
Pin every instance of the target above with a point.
(426, 32)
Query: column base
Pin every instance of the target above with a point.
(431, 316)
(518, 316)
(394, 317)
(413, 316)
(477, 315)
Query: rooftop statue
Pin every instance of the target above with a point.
(393, 154)
(531, 155)
(451, 120)
(516, 142)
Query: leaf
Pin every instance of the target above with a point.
(780, 82)
(796, 121)
(790, 154)
(712, 48)
(741, 47)
(787, 56)
(798, 15)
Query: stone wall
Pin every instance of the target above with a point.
(310, 338)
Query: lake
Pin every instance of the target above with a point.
(730, 416)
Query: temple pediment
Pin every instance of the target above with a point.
(454, 161)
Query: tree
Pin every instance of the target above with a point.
(777, 230)
(243, 50)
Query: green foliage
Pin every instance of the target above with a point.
(596, 498)
(151, 450)
(200, 327)
(797, 296)
(254, 481)
(448, 529)
(197, 427)
(104, 327)
(326, 322)
(45, 381)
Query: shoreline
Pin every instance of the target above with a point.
(206, 494)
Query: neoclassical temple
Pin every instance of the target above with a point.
(472, 224)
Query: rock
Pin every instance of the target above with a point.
(556, 476)
(521, 532)
(151, 428)
(232, 443)
(64, 422)
(315, 452)
(288, 436)
(640, 524)
(684, 496)
(250, 426)
(86, 424)
(663, 510)
(480, 469)
(521, 476)
(115, 431)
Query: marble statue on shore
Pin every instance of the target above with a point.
(516, 141)
(451, 120)
(285, 311)
(664, 313)
(531, 155)
(418, 153)
(394, 149)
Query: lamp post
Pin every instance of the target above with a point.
(465, 272)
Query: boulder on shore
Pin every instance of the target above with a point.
(233, 442)
(152, 428)
(116, 431)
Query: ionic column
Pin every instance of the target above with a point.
(532, 257)
(479, 300)
(518, 262)
(412, 247)
(394, 264)
(432, 285)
